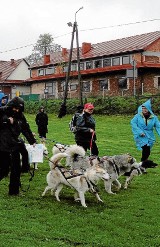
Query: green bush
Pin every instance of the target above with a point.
(103, 106)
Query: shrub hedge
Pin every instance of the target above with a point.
(108, 105)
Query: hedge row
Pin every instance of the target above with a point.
(108, 105)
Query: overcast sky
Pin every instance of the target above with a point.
(22, 21)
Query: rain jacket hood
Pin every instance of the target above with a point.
(148, 106)
(17, 102)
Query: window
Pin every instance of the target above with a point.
(41, 72)
(65, 68)
(81, 66)
(86, 86)
(73, 86)
(122, 83)
(125, 60)
(107, 62)
(89, 65)
(157, 82)
(50, 88)
(49, 70)
(103, 84)
(98, 64)
(115, 61)
(74, 67)
(62, 86)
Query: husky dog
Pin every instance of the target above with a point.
(80, 182)
(117, 166)
(143, 166)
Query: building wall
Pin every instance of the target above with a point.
(20, 90)
(20, 73)
(145, 83)
(155, 46)
(38, 88)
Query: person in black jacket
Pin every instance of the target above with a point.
(12, 124)
(85, 135)
(23, 151)
(42, 122)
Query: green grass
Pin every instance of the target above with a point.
(128, 219)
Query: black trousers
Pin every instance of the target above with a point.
(11, 162)
(25, 159)
(145, 152)
(42, 131)
(86, 145)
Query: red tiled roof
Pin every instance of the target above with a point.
(7, 67)
(112, 47)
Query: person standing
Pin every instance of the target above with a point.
(4, 100)
(42, 122)
(12, 124)
(23, 151)
(85, 134)
(143, 125)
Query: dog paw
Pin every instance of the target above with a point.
(77, 199)
(111, 193)
(100, 200)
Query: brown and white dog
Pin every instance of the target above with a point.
(80, 182)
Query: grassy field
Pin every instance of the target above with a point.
(131, 218)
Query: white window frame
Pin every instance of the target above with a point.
(107, 82)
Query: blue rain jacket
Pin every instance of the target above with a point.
(1, 96)
(139, 127)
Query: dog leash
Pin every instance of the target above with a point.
(31, 178)
(91, 142)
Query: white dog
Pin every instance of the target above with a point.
(80, 182)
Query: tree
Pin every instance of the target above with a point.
(43, 46)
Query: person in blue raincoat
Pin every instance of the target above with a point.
(1, 96)
(143, 125)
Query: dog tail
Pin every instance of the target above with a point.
(75, 150)
(55, 159)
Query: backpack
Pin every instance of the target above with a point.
(72, 123)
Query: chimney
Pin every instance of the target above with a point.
(85, 47)
(46, 59)
(12, 61)
(64, 52)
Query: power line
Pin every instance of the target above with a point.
(120, 25)
(84, 30)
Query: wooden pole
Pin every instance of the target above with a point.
(78, 63)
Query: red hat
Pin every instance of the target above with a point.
(88, 106)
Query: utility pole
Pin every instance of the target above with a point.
(62, 111)
(134, 76)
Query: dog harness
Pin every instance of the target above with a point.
(68, 174)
